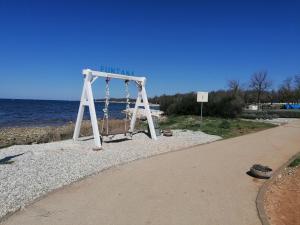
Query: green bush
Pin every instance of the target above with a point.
(224, 124)
(286, 113)
(220, 103)
(295, 163)
(271, 114)
(258, 115)
(230, 107)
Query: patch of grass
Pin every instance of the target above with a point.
(296, 162)
(226, 128)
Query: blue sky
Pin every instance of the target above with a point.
(180, 46)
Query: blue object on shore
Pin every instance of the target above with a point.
(291, 106)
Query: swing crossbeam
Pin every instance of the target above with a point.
(113, 75)
(87, 100)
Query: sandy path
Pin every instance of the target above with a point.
(202, 185)
(42, 168)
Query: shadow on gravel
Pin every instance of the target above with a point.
(8, 159)
(116, 140)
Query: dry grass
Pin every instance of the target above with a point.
(35, 135)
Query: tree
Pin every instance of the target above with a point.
(297, 87)
(249, 96)
(260, 83)
(234, 87)
(272, 96)
(297, 81)
(285, 91)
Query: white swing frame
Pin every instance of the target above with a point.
(87, 100)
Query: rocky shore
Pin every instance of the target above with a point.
(35, 135)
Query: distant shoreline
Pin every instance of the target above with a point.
(28, 99)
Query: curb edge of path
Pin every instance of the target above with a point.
(263, 189)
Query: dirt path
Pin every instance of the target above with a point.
(282, 199)
(203, 185)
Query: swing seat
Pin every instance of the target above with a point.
(114, 128)
(105, 134)
(111, 136)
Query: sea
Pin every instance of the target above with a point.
(32, 113)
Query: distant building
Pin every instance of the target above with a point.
(253, 107)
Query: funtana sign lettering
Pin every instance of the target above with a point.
(108, 69)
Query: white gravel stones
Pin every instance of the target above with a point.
(45, 167)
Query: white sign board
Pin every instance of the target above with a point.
(202, 96)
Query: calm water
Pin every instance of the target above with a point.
(15, 112)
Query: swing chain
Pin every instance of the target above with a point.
(105, 110)
(127, 105)
(127, 96)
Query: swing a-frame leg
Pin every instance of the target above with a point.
(87, 99)
(142, 101)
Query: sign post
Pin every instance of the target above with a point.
(202, 97)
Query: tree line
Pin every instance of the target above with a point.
(260, 89)
(230, 102)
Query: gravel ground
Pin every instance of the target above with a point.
(44, 167)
